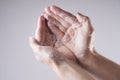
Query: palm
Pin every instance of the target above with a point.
(78, 39)
(47, 38)
(76, 31)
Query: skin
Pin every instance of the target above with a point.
(78, 32)
(72, 31)
(65, 43)
(46, 38)
(65, 67)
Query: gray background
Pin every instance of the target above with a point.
(18, 20)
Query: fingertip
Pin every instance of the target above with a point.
(49, 18)
(40, 17)
(78, 14)
(47, 10)
(33, 42)
(40, 25)
(54, 9)
(41, 20)
(53, 6)
(79, 17)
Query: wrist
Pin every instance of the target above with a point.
(86, 57)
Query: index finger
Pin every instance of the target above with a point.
(63, 14)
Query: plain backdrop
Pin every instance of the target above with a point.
(18, 21)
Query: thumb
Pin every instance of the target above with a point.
(43, 53)
(34, 44)
(85, 22)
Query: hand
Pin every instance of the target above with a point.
(46, 45)
(76, 33)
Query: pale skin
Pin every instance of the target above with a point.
(66, 67)
(62, 64)
(66, 42)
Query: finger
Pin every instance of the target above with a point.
(55, 22)
(85, 22)
(38, 49)
(58, 18)
(34, 44)
(56, 30)
(63, 14)
(39, 31)
(80, 17)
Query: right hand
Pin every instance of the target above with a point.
(76, 33)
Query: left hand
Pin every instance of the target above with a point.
(46, 45)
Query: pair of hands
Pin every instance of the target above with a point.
(61, 33)
(66, 43)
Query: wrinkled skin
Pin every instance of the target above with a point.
(63, 39)
(76, 33)
(64, 33)
(47, 49)
(47, 46)
(61, 36)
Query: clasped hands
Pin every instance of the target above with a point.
(64, 42)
